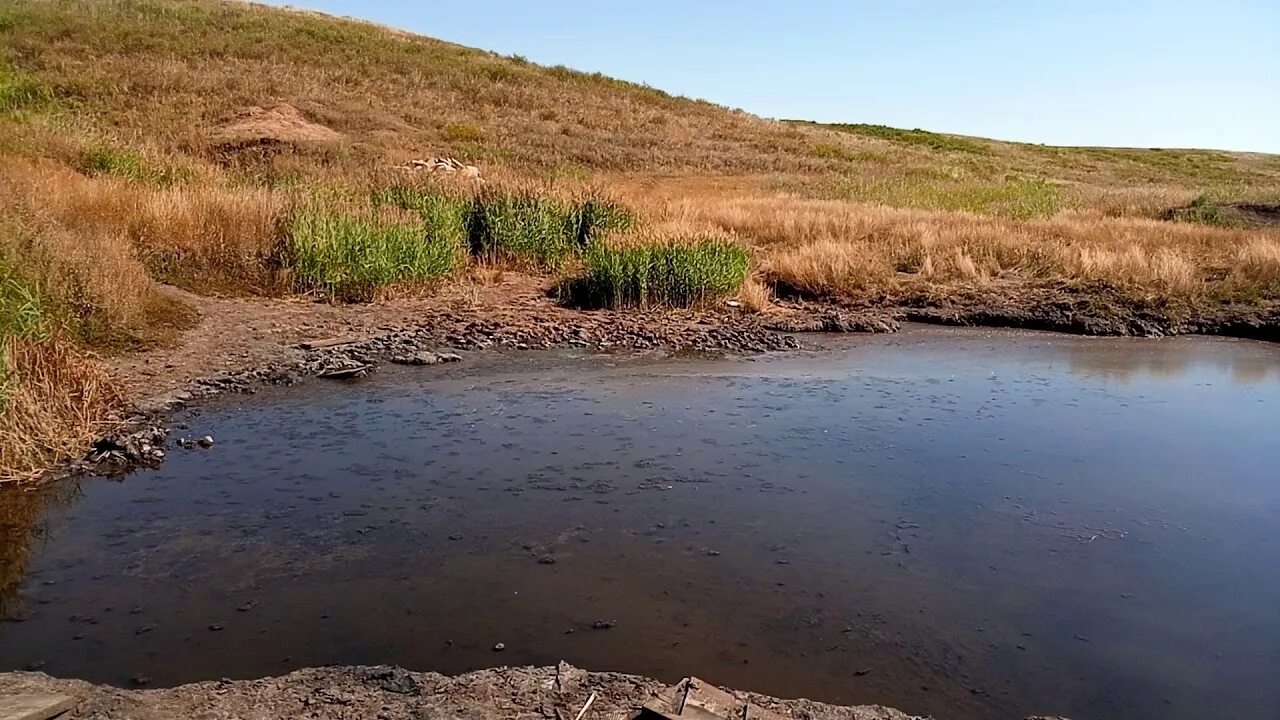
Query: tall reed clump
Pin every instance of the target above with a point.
(539, 229)
(443, 211)
(351, 253)
(660, 272)
(53, 399)
(520, 226)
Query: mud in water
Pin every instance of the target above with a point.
(960, 523)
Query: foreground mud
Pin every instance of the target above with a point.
(390, 693)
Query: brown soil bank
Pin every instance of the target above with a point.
(391, 693)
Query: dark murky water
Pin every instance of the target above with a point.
(964, 523)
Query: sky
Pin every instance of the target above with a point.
(1132, 73)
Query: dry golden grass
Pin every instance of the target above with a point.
(853, 250)
(54, 402)
(168, 77)
(205, 238)
(90, 274)
(755, 295)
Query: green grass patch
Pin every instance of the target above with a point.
(592, 216)
(128, 164)
(463, 132)
(22, 315)
(444, 215)
(530, 228)
(20, 94)
(832, 151)
(916, 137)
(22, 312)
(520, 226)
(659, 273)
(1204, 209)
(1015, 198)
(351, 255)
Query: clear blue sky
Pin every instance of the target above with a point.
(1144, 73)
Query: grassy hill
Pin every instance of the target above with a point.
(160, 76)
(231, 148)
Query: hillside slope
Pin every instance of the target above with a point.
(168, 74)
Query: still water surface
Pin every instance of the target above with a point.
(965, 523)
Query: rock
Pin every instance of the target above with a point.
(215, 627)
(131, 446)
(448, 357)
(546, 560)
(421, 358)
(499, 647)
(604, 624)
(394, 680)
(140, 680)
(206, 441)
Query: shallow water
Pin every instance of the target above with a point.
(957, 522)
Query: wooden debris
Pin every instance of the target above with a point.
(695, 699)
(345, 372)
(34, 706)
(584, 709)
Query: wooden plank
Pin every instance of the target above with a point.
(34, 706)
(696, 699)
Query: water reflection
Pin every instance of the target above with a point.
(963, 523)
(25, 518)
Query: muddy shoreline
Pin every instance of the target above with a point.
(392, 693)
(527, 320)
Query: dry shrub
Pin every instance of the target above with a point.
(755, 295)
(828, 268)
(213, 239)
(1256, 266)
(54, 400)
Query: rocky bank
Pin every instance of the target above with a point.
(391, 693)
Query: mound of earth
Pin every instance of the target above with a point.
(278, 124)
(1243, 215)
(391, 693)
(1257, 214)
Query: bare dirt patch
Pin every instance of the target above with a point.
(281, 123)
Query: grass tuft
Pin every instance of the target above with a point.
(128, 164)
(659, 272)
(356, 254)
(461, 132)
(1205, 210)
(20, 93)
(538, 229)
(917, 137)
